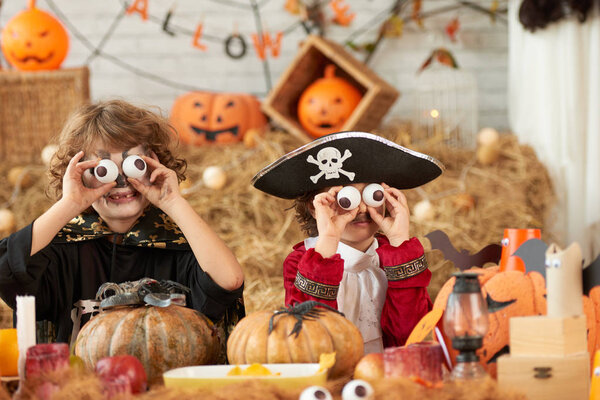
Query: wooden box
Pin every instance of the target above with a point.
(545, 336)
(33, 108)
(546, 378)
(309, 64)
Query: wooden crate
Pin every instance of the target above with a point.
(34, 107)
(282, 102)
(545, 336)
(546, 378)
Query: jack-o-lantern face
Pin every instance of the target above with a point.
(204, 117)
(34, 40)
(326, 105)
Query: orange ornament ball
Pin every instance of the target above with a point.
(34, 40)
(201, 118)
(325, 105)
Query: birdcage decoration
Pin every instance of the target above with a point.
(445, 101)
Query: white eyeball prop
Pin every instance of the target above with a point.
(134, 166)
(372, 195)
(358, 390)
(315, 393)
(106, 171)
(348, 198)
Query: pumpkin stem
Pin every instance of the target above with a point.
(31, 4)
(329, 71)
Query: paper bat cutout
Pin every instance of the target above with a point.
(533, 254)
(463, 259)
(591, 276)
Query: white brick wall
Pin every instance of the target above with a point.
(481, 48)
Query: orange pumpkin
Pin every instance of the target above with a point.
(205, 117)
(294, 339)
(34, 40)
(326, 104)
(161, 338)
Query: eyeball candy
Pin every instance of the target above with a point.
(106, 171)
(348, 198)
(372, 195)
(358, 390)
(315, 393)
(134, 166)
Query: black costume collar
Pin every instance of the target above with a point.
(154, 228)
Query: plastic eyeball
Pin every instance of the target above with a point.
(505, 242)
(373, 195)
(106, 171)
(315, 393)
(348, 198)
(134, 166)
(358, 390)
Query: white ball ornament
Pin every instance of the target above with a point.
(358, 389)
(315, 393)
(348, 198)
(134, 166)
(106, 171)
(423, 211)
(214, 177)
(487, 136)
(48, 152)
(372, 195)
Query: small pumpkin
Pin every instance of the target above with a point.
(162, 338)
(299, 334)
(325, 105)
(34, 40)
(206, 117)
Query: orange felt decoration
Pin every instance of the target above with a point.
(205, 117)
(326, 104)
(34, 40)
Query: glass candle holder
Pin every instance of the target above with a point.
(466, 323)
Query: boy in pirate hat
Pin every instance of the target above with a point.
(359, 257)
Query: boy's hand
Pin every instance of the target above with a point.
(395, 225)
(164, 186)
(331, 219)
(75, 193)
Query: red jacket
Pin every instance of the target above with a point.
(309, 276)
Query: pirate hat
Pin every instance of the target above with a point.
(344, 158)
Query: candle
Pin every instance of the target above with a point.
(25, 329)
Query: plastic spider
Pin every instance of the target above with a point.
(302, 312)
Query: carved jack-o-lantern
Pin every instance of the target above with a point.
(326, 105)
(34, 40)
(204, 117)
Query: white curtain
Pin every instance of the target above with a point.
(554, 106)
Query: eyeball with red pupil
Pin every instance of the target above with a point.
(373, 195)
(106, 171)
(134, 166)
(358, 390)
(315, 393)
(348, 198)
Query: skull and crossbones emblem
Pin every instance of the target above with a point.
(330, 162)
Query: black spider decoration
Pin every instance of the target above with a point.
(302, 312)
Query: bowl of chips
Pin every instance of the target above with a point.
(289, 376)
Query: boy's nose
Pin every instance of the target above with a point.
(362, 207)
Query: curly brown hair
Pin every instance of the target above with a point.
(303, 207)
(118, 124)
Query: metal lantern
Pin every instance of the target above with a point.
(445, 101)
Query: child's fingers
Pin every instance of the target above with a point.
(73, 161)
(82, 166)
(375, 216)
(154, 163)
(137, 185)
(102, 190)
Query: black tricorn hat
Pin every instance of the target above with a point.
(344, 158)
